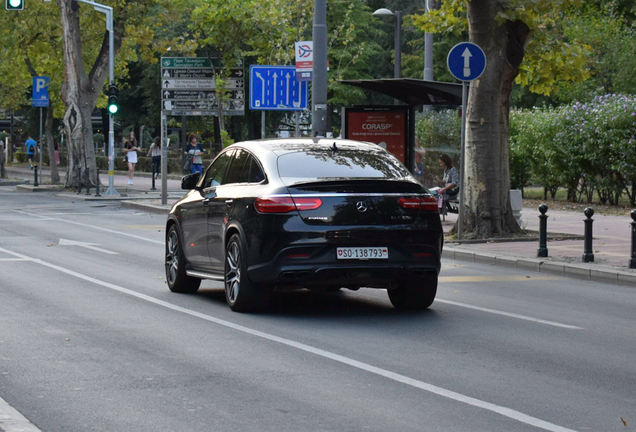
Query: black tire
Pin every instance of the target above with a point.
(416, 294)
(241, 294)
(178, 280)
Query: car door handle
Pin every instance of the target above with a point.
(229, 202)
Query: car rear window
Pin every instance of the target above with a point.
(342, 164)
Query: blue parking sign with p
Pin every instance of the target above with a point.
(40, 91)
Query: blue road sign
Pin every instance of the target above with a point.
(276, 88)
(466, 61)
(40, 91)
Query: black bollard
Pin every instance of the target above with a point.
(79, 180)
(97, 186)
(543, 235)
(588, 255)
(35, 180)
(153, 178)
(88, 182)
(632, 262)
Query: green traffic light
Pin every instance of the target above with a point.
(113, 109)
(14, 4)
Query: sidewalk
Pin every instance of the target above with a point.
(611, 244)
(611, 247)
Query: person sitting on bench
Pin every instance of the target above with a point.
(450, 179)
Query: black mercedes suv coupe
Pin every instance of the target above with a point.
(321, 214)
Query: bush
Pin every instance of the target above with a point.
(585, 148)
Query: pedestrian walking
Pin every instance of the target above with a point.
(131, 154)
(31, 148)
(194, 150)
(56, 146)
(155, 152)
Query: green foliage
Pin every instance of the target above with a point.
(439, 129)
(98, 139)
(583, 147)
(550, 57)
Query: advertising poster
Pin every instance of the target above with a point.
(384, 126)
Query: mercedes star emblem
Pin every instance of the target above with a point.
(362, 207)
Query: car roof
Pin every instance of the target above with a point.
(280, 146)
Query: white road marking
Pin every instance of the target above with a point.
(92, 226)
(91, 246)
(449, 394)
(12, 421)
(509, 314)
(14, 259)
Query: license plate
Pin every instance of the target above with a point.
(362, 253)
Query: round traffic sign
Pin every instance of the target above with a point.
(466, 61)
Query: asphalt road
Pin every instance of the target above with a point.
(91, 339)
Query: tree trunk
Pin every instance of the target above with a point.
(48, 131)
(487, 175)
(80, 92)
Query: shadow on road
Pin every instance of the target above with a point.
(343, 304)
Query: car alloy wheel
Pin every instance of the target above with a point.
(233, 272)
(172, 257)
(178, 280)
(241, 293)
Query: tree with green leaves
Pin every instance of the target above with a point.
(523, 42)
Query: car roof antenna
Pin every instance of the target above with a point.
(334, 148)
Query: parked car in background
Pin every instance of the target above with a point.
(321, 214)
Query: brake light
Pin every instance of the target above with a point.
(426, 203)
(285, 204)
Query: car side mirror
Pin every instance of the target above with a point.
(190, 181)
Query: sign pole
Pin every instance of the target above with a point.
(164, 159)
(462, 162)
(466, 62)
(41, 146)
(262, 124)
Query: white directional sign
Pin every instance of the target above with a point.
(188, 87)
(203, 84)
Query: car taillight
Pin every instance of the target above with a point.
(285, 204)
(426, 203)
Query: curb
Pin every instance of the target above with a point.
(577, 271)
(41, 188)
(149, 208)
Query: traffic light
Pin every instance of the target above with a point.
(14, 4)
(113, 106)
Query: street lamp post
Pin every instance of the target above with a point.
(111, 78)
(397, 70)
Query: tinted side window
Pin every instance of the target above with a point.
(215, 175)
(241, 157)
(245, 177)
(256, 172)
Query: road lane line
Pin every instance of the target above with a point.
(449, 394)
(502, 278)
(509, 314)
(12, 421)
(91, 226)
(14, 259)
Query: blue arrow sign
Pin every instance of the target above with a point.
(40, 91)
(466, 61)
(276, 88)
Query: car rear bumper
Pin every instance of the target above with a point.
(316, 265)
